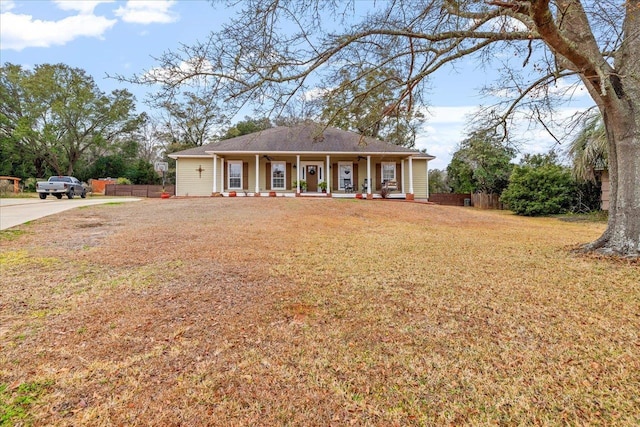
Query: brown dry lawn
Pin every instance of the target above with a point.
(313, 313)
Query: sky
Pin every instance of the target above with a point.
(123, 37)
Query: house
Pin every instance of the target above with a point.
(300, 161)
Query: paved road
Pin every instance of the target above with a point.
(18, 211)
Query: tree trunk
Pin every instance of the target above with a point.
(622, 236)
(617, 94)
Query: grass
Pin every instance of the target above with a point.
(596, 216)
(20, 195)
(10, 234)
(317, 312)
(16, 401)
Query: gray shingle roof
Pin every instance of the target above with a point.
(306, 138)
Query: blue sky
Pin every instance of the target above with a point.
(122, 37)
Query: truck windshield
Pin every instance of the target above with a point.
(60, 179)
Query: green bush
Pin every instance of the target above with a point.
(123, 181)
(540, 186)
(30, 184)
(142, 172)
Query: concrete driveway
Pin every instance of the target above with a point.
(18, 211)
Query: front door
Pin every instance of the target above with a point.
(312, 178)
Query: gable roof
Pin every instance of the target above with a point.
(306, 138)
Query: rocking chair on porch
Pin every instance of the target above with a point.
(348, 187)
(390, 185)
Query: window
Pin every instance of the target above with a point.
(235, 175)
(345, 176)
(388, 172)
(278, 175)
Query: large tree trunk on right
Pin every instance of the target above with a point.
(622, 236)
(617, 94)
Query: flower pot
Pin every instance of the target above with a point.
(165, 195)
(272, 194)
(358, 195)
(232, 194)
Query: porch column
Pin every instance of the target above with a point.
(257, 193)
(410, 196)
(215, 172)
(298, 174)
(369, 180)
(176, 180)
(222, 183)
(402, 180)
(327, 175)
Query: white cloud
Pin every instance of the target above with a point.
(147, 12)
(85, 7)
(506, 24)
(445, 128)
(192, 72)
(7, 5)
(314, 93)
(458, 114)
(21, 31)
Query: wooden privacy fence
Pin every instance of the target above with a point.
(486, 201)
(450, 199)
(153, 191)
(477, 200)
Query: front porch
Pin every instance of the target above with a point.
(310, 176)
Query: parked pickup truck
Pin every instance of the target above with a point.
(59, 186)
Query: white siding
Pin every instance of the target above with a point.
(419, 178)
(190, 181)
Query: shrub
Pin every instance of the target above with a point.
(6, 187)
(540, 186)
(123, 181)
(30, 184)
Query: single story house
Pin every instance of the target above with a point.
(304, 160)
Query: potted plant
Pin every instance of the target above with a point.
(303, 185)
(323, 186)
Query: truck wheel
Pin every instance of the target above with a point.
(58, 196)
(43, 195)
(84, 194)
(70, 194)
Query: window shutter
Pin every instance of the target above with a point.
(356, 185)
(399, 176)
(225, 184)
(245, 175)
(378, 176)
(267, 182)
(288, 176)
(334, 177)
